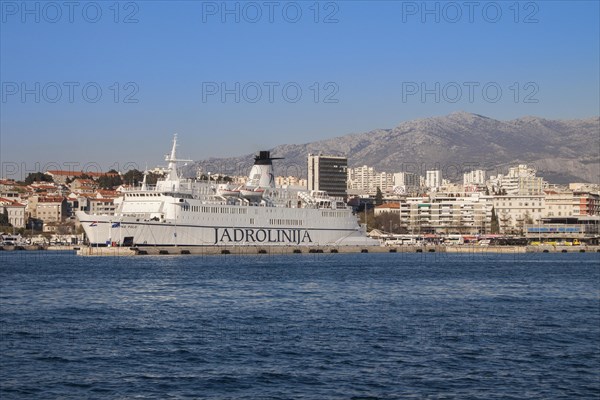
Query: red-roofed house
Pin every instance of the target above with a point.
(15, 212)
(107, 194)
(60, 176)
(7, 184)
(81, 185)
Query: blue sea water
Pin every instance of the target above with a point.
(318, 326)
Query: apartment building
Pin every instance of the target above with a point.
(514, 211)
(48, 209)
(442, 214)
(520, 180)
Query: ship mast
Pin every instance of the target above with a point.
(173, 160)
(171, 181)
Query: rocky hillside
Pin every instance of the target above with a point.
(561, 150)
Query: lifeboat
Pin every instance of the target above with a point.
(252, 194)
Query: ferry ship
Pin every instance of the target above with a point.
(191, 212)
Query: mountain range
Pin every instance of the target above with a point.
(561, 151)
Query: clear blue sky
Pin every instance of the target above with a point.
(372, 57)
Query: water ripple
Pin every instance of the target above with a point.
(367, 326)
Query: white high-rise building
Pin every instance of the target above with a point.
(433, 179)
(520, 180)
(406, 182)
(406, 179)
(364, 179)
(361, 178)
(384, 181)
(476, 177)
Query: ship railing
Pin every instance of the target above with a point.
(149, 188)
(307, 199)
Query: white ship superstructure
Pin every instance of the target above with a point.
(186, 212)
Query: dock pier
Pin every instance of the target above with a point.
(281, 250)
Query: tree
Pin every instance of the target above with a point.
(4, 218)
(38, 177)
(133, 177)
(110, 180)
(495, 228)
(378, 197)
(151, 179)
(368, 217)
(388, 222)
(65, 228)
(84, 176)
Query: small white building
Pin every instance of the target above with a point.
(14, 211)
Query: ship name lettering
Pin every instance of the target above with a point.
(225, 233)
(239, 235)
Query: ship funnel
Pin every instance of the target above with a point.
(262, 174)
